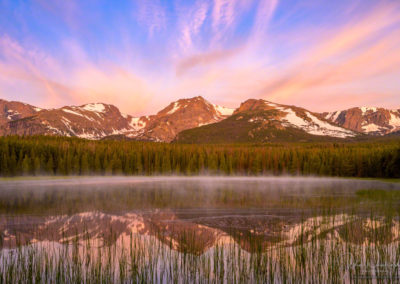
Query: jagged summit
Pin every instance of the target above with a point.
(199, 119)
(369, 120)
(181, 115)
(99, 120)
(262, 121)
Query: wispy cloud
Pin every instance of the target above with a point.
(204, 59)
(225, 16)
(80, 83)
(346, 54)
(331, 65)
(265, 12)
(25, 64)
(226, 50)
(152, 15)
(191, 20)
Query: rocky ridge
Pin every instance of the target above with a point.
(99, 120)
(368, 120)
(253, 121)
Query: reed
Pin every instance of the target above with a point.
(330, 248)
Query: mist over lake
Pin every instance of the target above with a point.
(196, 218)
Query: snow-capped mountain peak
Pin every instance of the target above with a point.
(182, 104)
(11, 110)
(369, 120)
(314, 125)
(95, 107)
(100, 120)
(294, 117)
(181, 115)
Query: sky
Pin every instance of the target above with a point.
(142, 54)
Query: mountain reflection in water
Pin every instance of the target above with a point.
(212, 209)
(167, 226)
(285, 222)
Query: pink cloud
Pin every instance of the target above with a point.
(204, 59)
(83, 82)
(152, 15)
(225, 15)
(191, 21)
(328, 68)
(265, 12)
(352, 53)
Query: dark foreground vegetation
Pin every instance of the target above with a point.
(38, 155)
(147, 260)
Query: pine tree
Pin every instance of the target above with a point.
(61, 166)
(139, 164)
(75, 165)
(97, 163)
(84, 164)
(116, 164)
(222, 164)
(166, 164)
(12, 164)
(201, 162)
(50, 165)
(4, 165)
(37, 169)
(26, 167)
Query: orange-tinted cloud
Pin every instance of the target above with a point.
(339, 61)
(204, 59)
(354, 52)
(80, 84)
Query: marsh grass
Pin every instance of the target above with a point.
(331, 248)
(335, 238)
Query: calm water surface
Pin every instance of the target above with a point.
(198, 217)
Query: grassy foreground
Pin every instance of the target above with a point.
(333, 248)
(317, 238)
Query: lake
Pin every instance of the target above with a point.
(198, 230)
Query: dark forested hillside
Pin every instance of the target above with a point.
(39, 155)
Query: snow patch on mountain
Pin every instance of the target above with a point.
(257, 119)
(56, 130)
(370, 120)
(270, 104)
(72, 112)
(365, 109)
(328, 126)
(137, 124)
(175, 107)
(11, 114)
(96, 107)
(394, 120)
(91, 136)
(224, 111)
(332, 116)
(372, 127)
(314, 125)
(68, 125)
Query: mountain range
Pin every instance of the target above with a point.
(196, 120)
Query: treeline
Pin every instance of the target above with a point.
(38, 155)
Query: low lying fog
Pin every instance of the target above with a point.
(281, 182)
